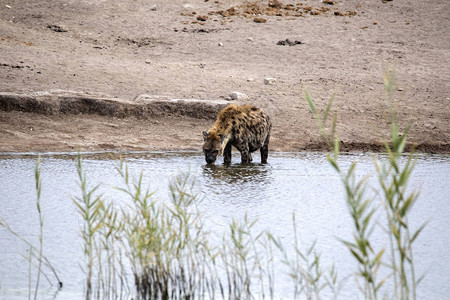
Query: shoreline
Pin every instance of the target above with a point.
(67, 110)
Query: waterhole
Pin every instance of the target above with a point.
(300, 183)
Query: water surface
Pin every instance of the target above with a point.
(303, 183)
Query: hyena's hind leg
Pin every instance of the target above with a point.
(265, 150)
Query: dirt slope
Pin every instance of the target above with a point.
(208, 49)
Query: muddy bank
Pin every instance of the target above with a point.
(67, 121)
(143, 106)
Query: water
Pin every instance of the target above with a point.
(302, 183)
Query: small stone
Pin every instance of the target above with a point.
(259, 20)
(58, 28)
(371, 88)
(270, 81)
(400, 89)
(202, 18)
(154, 7)
(148, 61)
(288, 42)
(8, 6)
(220, 44)
(250, 39)
(250, 79)
(238, 96)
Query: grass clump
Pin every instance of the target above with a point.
(393, 179)
(304, 268)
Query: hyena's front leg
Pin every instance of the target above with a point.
(227, 154)
(245, 153)
(265, 150)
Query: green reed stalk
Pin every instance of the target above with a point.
(29, 258)
(240, 259)
(269, 264)
(360, 208)
(332, 282)
(34, 252)
(89, 208)
(37, 176)
(393, 179)
(304, 267)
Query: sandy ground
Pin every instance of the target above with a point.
(208, 49)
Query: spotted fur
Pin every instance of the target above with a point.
(245, 127)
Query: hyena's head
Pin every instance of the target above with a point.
(213, 146)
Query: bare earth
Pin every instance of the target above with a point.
(207, 49)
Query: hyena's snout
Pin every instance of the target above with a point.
(210, 158)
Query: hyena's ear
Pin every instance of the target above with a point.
(222, 137)
(205, 135)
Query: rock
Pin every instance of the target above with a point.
(220, 44)
(250, 79)
(238, 96)
(58, 28)
(202, 18)
(270, 81)
(154, 7)
(400, 89)
(148, 61)
(288, 42)
(259, 20)
(250, 39)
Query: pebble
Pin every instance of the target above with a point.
(238, 96)
(400, 89)
(202, 18)
(148, 61)
(270, 81)
(58, 28)
(154, 7)
(8, 6)
(288, 42)
(220, 44)
(250, 39)
(250, 79)
(259, 20)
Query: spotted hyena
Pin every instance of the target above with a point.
(245, 127)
